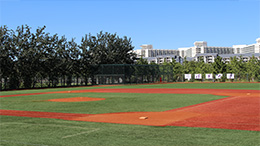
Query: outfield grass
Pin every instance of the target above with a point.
(17, 131)
(248, 86)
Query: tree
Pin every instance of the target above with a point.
(237, 66)
(219, 66)
(189, 67)
(201, 66)
(74, 57)
(177, 70)
(105, 48)
(7, 59)
(142, 61)
(253, 68)
(25, 54)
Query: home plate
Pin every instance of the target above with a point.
(139, 118)
(143, 118)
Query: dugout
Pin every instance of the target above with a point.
(133, 74)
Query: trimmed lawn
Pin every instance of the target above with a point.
(115, 102)
(17, 131)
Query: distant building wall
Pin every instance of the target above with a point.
(200, 49)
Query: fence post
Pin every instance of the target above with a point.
(41, 82)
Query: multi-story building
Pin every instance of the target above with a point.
(253, 48)
(210, 57)
(200, 47)
(198, 51)
(163, 58)
(148, 51)
(206, 57)
(245, 57)
(239, 51)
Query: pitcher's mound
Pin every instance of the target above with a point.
(76, 99)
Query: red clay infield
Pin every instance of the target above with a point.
(240, 111)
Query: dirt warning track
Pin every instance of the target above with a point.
(240, 110)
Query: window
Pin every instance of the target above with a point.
(238, 50)
(198, 50)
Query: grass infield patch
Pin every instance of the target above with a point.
(115, 102)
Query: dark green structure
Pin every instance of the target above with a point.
(133, 74)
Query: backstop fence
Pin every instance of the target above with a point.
(126, 74)
(133, 74)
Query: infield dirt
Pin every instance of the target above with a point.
(76, 99)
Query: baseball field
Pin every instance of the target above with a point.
(180, 114)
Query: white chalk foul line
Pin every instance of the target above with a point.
(19, 142)
(62, 126)
(77, 134)
(47, 125)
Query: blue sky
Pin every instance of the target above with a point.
(166, 24)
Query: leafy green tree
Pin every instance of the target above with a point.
(190, 67)
(219, 66)
(7, 59)
(55, 60)
(26, 55)
(106, 48)
(74, 58)
(185, 68)
(200, 66)
(177, 70)
(208, 68)
(142, 69)
(142, 61)
(237, 66)
(88, 64)
(253, 68)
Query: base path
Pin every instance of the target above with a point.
(76, 99)
(240, 110)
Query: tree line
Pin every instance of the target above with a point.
(26, 56)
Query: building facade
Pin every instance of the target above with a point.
(148, 51)
(201, 47)
(243, 49)
(200, 50)
(163, 58)
(226, 58)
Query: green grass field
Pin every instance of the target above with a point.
(17, 131)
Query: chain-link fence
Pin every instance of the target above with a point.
(133, 74)
(42, 82)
